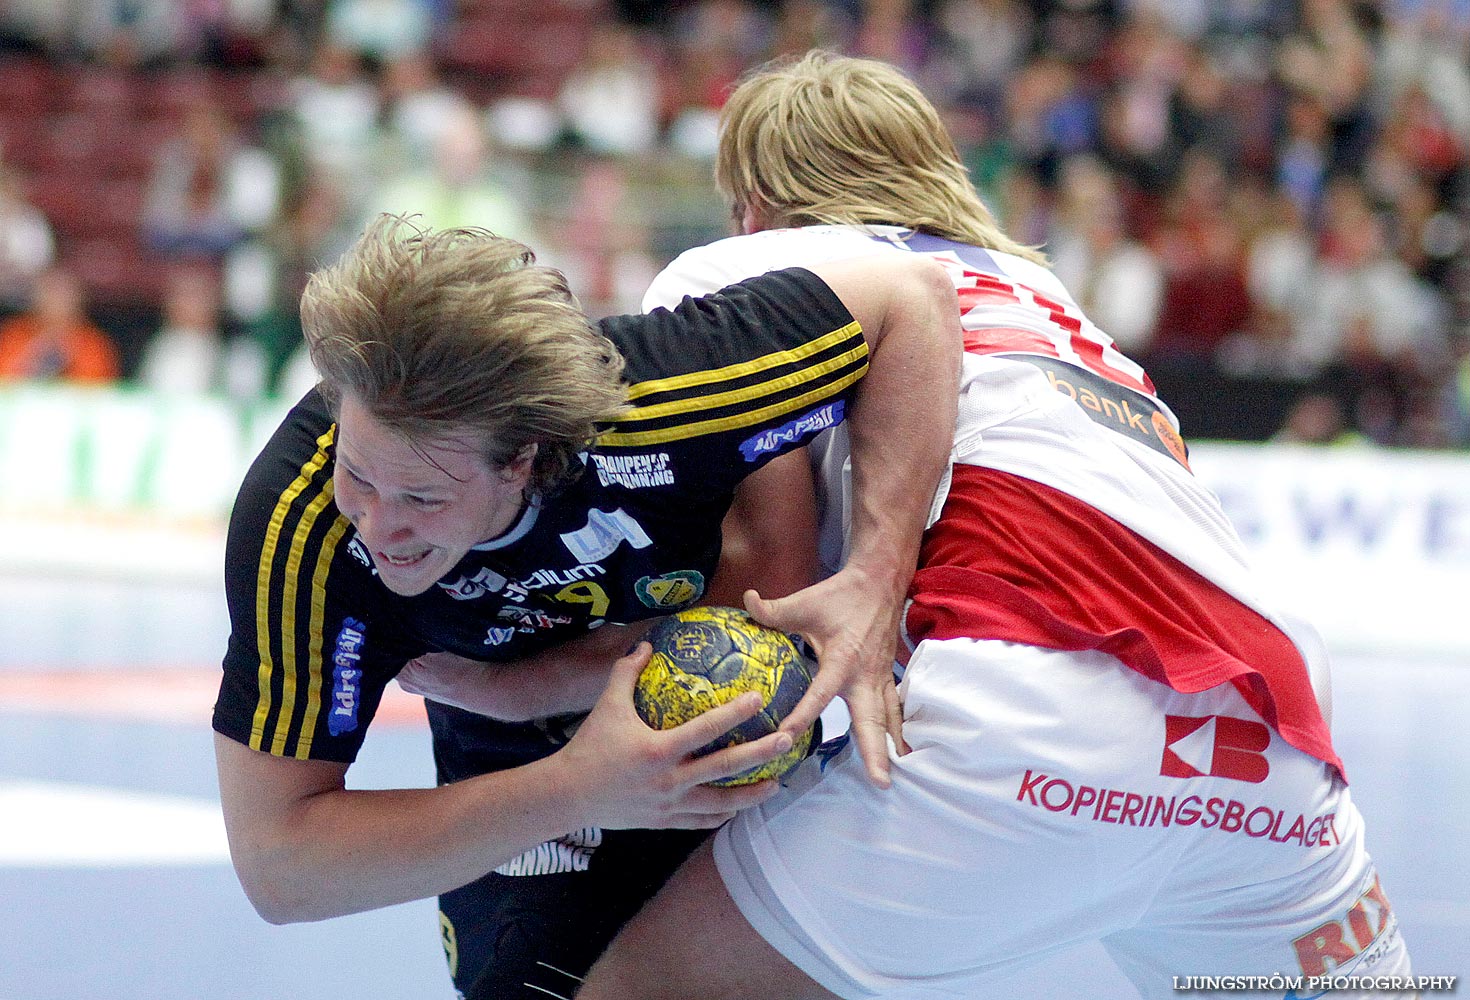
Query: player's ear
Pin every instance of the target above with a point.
(519, 468)
(752, 217)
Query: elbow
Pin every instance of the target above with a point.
(933, 283)
(273, 914)
(274, 899)
(280, 824)
(279, 892)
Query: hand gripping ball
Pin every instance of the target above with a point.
(704, 657)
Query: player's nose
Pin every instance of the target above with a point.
(379, 523)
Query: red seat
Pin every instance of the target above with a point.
(83, 205)
(118, 272)
(66, 199)
(514, 48)
(174, 92)
(74, 142)
(103, 91)
(23, 147)
(28, 87)
(131, 153)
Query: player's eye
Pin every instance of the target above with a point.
(426, 503)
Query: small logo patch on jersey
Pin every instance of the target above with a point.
(1172, 441)
(528, 619)
(670, 591)
(346, 677)
(793, 431)
(496, 636)
(359, 552)
(634, 472)
(1215, 745)
(467, 588)
(605, 531)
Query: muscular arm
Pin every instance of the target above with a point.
(769, 536)
(564, 679)
(901, 429)
(307, 848)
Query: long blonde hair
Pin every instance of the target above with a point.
(831, 139)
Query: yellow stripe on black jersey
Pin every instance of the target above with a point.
(277, 596)
(728, 398)
(318, 604)
(289, 597)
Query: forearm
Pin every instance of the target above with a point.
(902, 426)
(571, 677)
(307, 848)
(564, 679)
(346, 851)
(895, 474)
(900, 432)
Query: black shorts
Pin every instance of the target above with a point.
(533, 937)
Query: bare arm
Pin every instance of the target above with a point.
(769, 537)
(307, 848)
(564, 679)
(902, 428)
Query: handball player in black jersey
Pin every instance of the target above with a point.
(483, 472)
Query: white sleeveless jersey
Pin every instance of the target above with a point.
(1045, 394)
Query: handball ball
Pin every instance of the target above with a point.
(704, 657)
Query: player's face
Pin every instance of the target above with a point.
(419, 507)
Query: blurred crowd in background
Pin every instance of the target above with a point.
(1267, 202)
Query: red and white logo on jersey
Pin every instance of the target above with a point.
(1214, 745)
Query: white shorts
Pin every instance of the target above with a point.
(1054, 798)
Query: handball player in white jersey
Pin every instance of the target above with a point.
(1113, 731)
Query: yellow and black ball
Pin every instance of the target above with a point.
(704, 657)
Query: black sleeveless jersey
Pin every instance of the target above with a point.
(717, 387)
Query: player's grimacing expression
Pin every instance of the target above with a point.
(420, 506)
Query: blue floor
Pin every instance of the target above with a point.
(115, 885)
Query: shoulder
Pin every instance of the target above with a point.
(706, 268)
(306, 428)
(1029, 273)
(790, 305)
(726, 366)
(297, 459)
(285, 528)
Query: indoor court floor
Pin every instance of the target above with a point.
(116, 883)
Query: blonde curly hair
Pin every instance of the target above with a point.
(829, 139)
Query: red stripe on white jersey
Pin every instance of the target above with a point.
(991, 305)
(1015, 560)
